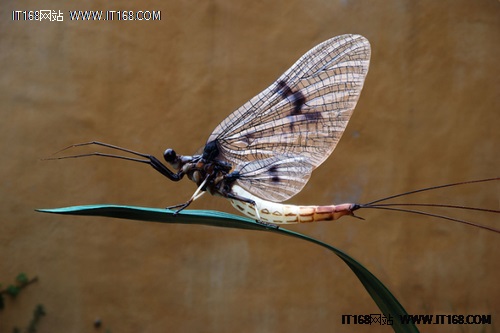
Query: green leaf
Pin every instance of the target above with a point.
(39, 311)
(22, 279)
(13, 290)
(388, 304)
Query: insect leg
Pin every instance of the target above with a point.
(148, 159)
(198, 193)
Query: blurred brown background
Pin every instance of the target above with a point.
(428, 115)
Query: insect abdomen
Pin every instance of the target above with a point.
(273, 212)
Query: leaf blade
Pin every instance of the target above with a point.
(387, 303)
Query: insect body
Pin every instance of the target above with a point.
(271, 144)
(265, 151)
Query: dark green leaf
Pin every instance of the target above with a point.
(387, 303)
(13, 290)
(39, 311)
(22, 279)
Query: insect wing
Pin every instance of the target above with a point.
(303, 113)
(277, 178)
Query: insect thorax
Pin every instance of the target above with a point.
(214, 171)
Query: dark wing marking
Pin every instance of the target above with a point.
(277, 178)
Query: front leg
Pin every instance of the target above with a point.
(146, 158)
(161, 168)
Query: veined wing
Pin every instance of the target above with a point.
(302, 114)
(275, 178)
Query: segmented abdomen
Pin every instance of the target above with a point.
(278, 213)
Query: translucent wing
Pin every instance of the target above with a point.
(303, 114)
(276, 178)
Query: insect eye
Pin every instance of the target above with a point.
(169, 155)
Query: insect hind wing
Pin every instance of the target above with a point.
(277, 178)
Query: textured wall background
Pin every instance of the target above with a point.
(428, 115)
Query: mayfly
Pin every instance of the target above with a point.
(265, 151)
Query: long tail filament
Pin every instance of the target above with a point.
(376, 204)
